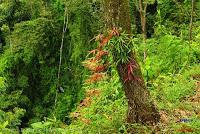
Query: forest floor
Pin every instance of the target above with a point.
(181, 117)
(186, 115)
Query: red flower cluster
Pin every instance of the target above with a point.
(94, 64)
(131, 67)
(95, 77)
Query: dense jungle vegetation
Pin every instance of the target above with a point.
(99, 66)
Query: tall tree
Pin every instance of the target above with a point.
(191, 20)
(140, 108)
(143, 9)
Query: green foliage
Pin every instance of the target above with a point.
(38, 125)
(107, 110)
(29, 61)
(167, 54)
(164, 49)
(11, 119)
(31, 32)
(20, 62)
(120, 47)
(174, 88)
(2, 84)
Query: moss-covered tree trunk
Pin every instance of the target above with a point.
(140, 107)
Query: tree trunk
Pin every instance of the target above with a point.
(142, 10)
(191, 21)
(140, 107)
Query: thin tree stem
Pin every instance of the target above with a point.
(191, 21)
(142, 10)
(65, 25)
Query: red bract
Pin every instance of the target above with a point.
(93, 51)
(95, 77)
(130, 68)
(115, 31)
(90, 64)
(93, 60)
(100, 54)
(94, 63)
(99, 37)
(104, 42)
(100, 68)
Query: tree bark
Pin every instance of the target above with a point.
(191, 20)
(143, 9)
(140, 108)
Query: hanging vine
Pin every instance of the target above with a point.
(65, 26)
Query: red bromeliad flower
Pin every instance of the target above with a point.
(95, 77)
(99, 37)
(115, 31)
(130, 68)
(90, 64)
(100, 54)
(100, 68)
(94, 63)
(93, 52)
(103, 42)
